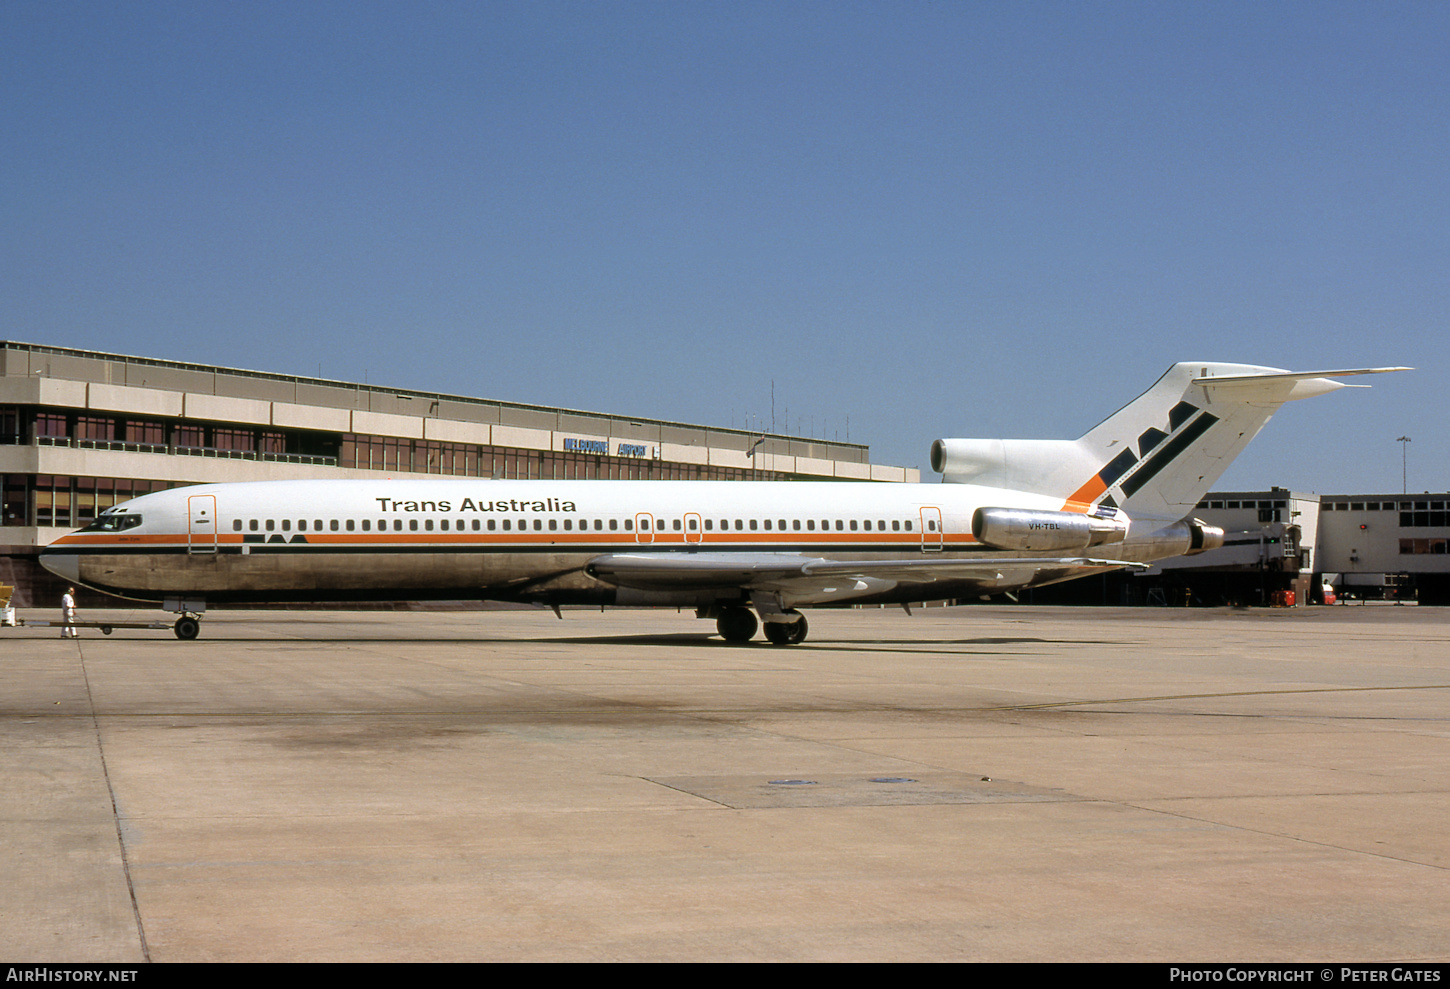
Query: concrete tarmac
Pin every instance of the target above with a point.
(977, 784)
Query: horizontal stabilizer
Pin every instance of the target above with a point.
(1272, 385)
(1230, 379)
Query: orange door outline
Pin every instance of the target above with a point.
(931, 529)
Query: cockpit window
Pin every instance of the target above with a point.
(113, 523)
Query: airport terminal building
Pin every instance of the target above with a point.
(82, 430)
(1365, 546)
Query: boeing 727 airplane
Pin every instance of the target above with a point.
(1011, 514)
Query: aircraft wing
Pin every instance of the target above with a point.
(924, 571)
(780, 571)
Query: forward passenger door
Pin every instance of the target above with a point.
(201, 527)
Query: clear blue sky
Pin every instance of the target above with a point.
(936, 219)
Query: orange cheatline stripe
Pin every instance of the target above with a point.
(106, 539)
(1081, 500)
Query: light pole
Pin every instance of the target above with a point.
(1404, 442)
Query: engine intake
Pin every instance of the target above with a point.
(1040, 531)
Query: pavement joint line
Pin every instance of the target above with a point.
(1298, 839)
(1230, 693)
(115, 810)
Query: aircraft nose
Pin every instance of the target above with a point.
(67, 565)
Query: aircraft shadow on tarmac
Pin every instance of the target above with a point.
(706, 640)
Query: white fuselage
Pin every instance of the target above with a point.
(526, 540)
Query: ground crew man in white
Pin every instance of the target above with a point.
(68, 614)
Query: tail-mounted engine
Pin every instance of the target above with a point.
(1046, 532)
(1186, 537)
(1202, 537)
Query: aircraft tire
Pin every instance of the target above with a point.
(787, 633)
(736, 624)
(186, 629)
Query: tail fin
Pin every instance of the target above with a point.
(1159, 454)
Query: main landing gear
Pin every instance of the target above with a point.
(787, 633)
(737, 624)
(187, 627)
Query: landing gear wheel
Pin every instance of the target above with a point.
(186, 628)
(105, 630)
(736, 624)
(787, 633)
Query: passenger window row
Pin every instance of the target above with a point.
(841, 525)
(690, 523)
